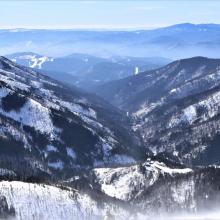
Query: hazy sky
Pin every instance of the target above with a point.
(106, 14)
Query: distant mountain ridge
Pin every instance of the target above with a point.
(85, 70)
(175, 42)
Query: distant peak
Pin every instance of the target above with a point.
(191, 25)
(198, 58)
(186, 25)
(182, 25)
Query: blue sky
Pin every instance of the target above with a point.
(106, 14)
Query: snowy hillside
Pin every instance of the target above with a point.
(31, 60)
(126, 183)
(40, 201)
(175, 108)
(150, 190)
(156, 187)
(57, 126)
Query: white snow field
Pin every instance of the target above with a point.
(44, 202)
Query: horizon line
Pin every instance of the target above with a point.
(100, 27)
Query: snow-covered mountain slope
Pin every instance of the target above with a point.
(29, 59)
(39, 63)
(126, 183)
(175, 108)
(148, 190)
(39, 201)
(53, 127)
(156, 187)
(190, 76)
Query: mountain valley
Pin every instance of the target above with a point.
(66, 148)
